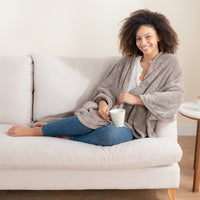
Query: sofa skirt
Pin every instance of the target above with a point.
(145, 178)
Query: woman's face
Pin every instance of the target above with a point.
(147, 41)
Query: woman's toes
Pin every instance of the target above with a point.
(17, 131)
(11, 134)
(10, 131)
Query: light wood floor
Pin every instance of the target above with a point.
(183, 193)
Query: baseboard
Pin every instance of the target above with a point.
(186, 129)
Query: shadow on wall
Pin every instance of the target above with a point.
(90, 72)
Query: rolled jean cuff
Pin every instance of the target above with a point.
(44, 131)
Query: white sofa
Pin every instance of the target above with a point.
(35, 86)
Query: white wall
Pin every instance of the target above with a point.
(90, 28)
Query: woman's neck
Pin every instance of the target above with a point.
(148, 58)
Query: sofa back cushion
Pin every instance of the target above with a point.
(167, 129)
(16, 84)
(63, 84)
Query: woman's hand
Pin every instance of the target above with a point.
(129, 99)
(104, 111)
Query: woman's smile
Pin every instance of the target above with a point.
(146, 48)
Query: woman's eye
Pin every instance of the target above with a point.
(148, 36)
(138, 39)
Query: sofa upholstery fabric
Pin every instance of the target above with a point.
(144, 178)
(56, 153)
(16, 87)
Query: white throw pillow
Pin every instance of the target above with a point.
(16, 89)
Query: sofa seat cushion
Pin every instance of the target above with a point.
(56, 153)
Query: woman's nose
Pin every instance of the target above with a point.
(143, 41)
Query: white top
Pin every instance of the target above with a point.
(135, 77)
(190, 109)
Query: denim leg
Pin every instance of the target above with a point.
(65, 127)
(106, 136)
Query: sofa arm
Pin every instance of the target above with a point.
(167, 129)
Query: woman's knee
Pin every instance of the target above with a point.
(109, 132)
(114, 135)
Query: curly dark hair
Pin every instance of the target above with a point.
(127, 35)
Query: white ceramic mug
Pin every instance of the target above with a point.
(198, 103)
(117, 117)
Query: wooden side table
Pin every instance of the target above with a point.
(190, 110)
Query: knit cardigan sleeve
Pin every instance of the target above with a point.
(164, 102)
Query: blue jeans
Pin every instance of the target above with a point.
(105, 136)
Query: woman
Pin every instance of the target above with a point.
(147, 83)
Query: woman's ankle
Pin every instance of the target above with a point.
(37, 131)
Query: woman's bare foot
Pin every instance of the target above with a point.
(24, 131)
(40, 124)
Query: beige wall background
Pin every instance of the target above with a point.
(90, 28)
